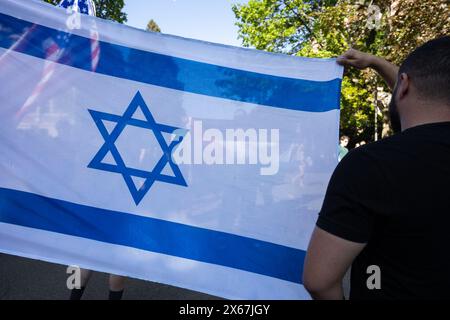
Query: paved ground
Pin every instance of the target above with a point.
(26, 279)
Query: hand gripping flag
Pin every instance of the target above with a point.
(161, 158)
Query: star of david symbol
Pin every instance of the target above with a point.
(150, 177)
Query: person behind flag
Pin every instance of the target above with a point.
(386, 209)
(343, 143)
(116, 283)
(116, 286)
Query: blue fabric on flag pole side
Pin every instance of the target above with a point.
(177, 73)
(261, 257)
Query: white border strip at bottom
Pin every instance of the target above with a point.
(198, 276)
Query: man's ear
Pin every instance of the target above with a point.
(403, 85)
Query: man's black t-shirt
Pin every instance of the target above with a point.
(394, 195)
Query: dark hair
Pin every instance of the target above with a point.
(345, 137)
(429, 69)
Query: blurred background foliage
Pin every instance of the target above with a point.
(327, 28)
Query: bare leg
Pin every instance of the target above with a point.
(85, 276)
(116, 286)
(116, 283)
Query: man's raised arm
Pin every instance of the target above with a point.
(361, 60)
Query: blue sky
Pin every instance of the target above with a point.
(209, 20)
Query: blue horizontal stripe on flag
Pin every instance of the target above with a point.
(175, 239)
(175, 73)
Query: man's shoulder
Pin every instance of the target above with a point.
(384, 146)
(383, 143)
(369, 157)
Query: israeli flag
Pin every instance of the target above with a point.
(173, 160)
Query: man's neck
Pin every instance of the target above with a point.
(426, 115)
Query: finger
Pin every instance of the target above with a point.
(346, 70)
(343, 61)
(344, 58)
(349, 54)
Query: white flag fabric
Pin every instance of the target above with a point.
(173, 160)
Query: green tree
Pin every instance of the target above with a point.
(321, 28)
(106, 9)
(153, 26)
